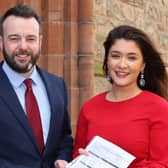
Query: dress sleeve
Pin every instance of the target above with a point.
(81, 133)
(158, 140)
(149, 164)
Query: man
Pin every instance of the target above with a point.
(43, 140)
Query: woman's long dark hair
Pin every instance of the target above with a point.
(155, 75)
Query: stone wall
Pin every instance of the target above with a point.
(150, 16)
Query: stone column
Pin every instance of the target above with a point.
(71, 68)
(53, 40)
(78, 70)
(85, 50)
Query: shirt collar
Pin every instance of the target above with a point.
(15, 78)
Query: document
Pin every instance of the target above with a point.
(102, 154)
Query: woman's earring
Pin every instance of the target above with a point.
(142, 80)
(108, 77)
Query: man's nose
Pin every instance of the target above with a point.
(23, 44)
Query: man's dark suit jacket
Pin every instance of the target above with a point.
(18, 147)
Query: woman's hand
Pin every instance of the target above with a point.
(63, 163)
(60, 163)
(83, 152)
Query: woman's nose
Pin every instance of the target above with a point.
(122, 62)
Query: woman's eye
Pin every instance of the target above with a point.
(115, 56)
(132, 58)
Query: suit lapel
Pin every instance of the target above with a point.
(9, 97)
(54, 108)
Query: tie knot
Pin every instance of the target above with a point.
(28, 83)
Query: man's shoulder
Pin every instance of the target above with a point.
(46, 74)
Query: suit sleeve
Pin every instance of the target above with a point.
(66, 144)
(7, 164)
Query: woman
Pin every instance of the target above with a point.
(134, 113)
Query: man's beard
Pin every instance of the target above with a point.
(10, 59)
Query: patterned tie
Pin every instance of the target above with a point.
(33, 113)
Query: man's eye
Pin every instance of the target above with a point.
(14, 39)
(31, 39)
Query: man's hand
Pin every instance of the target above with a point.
(60, 163)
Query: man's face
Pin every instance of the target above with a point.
(21, 43)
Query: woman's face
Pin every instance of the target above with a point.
(125, 62)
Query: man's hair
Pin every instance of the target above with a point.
(24, 11)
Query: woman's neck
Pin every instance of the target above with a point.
(121, 94)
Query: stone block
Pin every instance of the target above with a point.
(55, 64)
(86, 38)
(71, 10)
(53, 41)
(71, 38)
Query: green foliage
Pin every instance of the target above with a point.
(98, 69)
